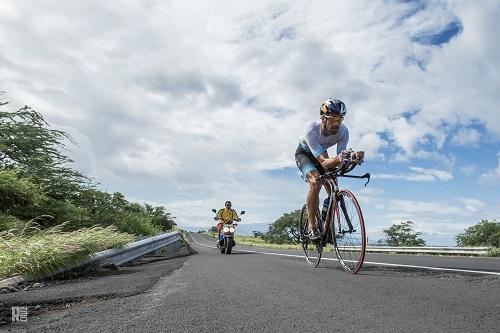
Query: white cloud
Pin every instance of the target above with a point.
(473, 205)
(371, 196)
(195, 101)
(438, 220)
(419, 207)
(468, 170)
(466, 137)
(418, 175)
(491, 177)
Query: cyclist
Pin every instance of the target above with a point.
(312, 157)
(225, 214)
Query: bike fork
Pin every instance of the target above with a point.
(344, 210)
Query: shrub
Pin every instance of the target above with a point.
(8, 222)
(137, 224)
(485, 233)
(494, 252)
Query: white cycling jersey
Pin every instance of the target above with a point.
(312, 141)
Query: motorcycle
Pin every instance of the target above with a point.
(226, 237)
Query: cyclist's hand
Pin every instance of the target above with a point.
(344, 157)
(358, 157)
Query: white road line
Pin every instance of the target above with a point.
(366, 262)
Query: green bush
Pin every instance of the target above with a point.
(36, 179)
(494, 252)
(16, 192)
(485, 233)
(8, 222)
(137, 224)
(402, 234)
(281, 231)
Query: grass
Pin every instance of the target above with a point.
(259, 242)
(256, 241)
(494, 252)
(38, 252)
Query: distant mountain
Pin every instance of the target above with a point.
(248, 228)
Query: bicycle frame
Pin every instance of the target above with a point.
(330, 180)
(343, 207)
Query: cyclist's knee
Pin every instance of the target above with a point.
(313, 183)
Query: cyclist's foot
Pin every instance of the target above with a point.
(329, 238)
(314, 234)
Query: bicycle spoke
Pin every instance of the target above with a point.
(312, 250)
(350, 242)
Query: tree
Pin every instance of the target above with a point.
(257, 234)
(283, 229)
(402, 235)
(27, 144)
(16, 192)
(485, 233)
(36, 180)
(162, 219)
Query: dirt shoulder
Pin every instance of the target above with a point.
(91, 285)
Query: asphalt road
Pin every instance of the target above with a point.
(252, 292)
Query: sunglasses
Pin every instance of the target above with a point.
(336, 118)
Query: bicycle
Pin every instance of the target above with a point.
(343, 226)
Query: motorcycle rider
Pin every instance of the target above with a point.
(225, 215)
(312, 157)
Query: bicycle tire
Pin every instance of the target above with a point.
(348, 232)
(312, 250)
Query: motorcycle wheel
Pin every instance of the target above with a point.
(229, 245)
(223, 246)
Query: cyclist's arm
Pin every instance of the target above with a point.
(342, 144)
(333, 162)
(328, 162)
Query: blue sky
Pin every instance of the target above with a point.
(189, 104)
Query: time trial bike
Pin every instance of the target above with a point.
(341, 223)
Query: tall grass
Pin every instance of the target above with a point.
(37, 252)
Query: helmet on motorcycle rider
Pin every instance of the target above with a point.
(332, 107)
(227, 203)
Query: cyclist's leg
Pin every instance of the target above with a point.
(309, 173)
(312, 199)
(218, 227)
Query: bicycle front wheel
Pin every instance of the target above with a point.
(348, 232)
(312, 250)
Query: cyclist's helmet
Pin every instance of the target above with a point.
(332, 107)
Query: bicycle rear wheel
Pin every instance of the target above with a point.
(348, 232)
(312, 250)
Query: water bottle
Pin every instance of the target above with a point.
(326, 203)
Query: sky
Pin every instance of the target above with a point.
(187, 104)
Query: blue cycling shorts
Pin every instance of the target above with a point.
(306, 162)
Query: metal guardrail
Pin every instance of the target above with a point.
(116, 257)
(135, 250)
(473, 251)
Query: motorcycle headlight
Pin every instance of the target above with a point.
(231, 229)
(226, 229)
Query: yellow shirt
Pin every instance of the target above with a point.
(227, 214)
